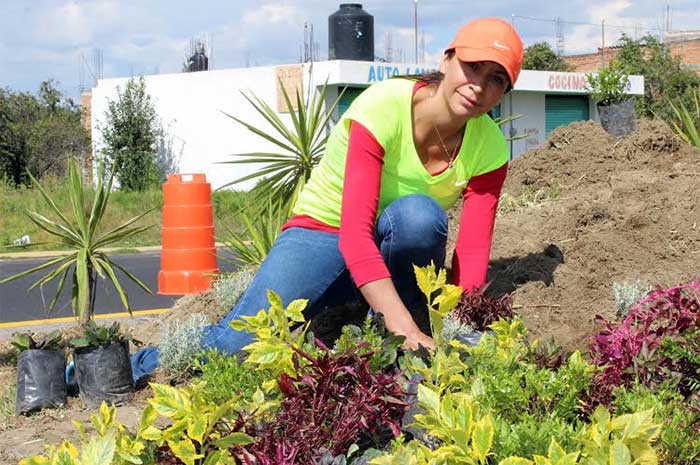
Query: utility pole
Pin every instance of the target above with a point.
(602, 50)
(415, 27)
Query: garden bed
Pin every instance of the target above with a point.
(623, 210)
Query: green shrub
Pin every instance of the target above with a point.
(229, 287)
(628, 294)
(225, 377)
(679, 442)
(181, 344)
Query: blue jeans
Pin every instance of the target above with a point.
(307, 264)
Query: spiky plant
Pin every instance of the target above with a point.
(79, 232)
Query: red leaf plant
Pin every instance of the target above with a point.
(663, 312)
(478, 310)
(327, 405)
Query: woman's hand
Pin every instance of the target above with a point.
(414, 336)
(381, 295)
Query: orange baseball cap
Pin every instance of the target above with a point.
(490, 39)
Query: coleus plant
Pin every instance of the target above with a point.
(329, 401)
(478, 309)
(663, 313)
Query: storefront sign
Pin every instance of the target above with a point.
(572, 82)
(379, 72)
(567, 81)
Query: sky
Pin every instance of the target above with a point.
(57, 39)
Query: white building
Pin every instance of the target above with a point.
(193, 106)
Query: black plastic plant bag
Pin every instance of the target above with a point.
(104, 374)
(619, 119)
(41, 381)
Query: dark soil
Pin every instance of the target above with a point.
(628, 209)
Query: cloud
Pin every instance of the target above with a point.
(46, 38)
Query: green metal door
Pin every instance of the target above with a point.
(349, 95)
(561, 110)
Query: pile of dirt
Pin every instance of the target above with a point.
(148, 331)
(627, 209)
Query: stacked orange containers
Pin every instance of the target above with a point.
(188, 257)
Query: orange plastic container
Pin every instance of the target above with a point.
(188, 256)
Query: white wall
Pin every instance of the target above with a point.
(531, 106)
(191, 105)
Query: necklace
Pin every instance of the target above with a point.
(450, 158)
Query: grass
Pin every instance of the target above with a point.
(7, 404)
(531, 196)
(123, 206)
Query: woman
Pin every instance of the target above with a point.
(401, 155)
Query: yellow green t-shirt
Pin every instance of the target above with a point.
(385, 109)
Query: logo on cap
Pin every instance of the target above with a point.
(497, 44)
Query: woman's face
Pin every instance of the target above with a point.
(472, 88)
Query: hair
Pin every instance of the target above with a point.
(431, 77)
(436, 77)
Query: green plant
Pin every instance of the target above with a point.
(80, 233)
(223, 377)
(372, 338)
(679, 441)
(131, 137)
(627, 294)
(27, 341)
(7, 404)
(39, 133)
(665, 75)
(99, 336)
(262, 226)
(110, 444)
(540, 56)
(180, 344)
(687, 118)
(608, 85)
(200, 431)
(272, 347)
(621, 440)
(441, 297)
(302, 147)
(228, 287)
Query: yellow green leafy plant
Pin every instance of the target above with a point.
(271, 348)
(556, 455)
(624, 440)
(201, 432)
(466, 436)
(441, 297)
(112, 444)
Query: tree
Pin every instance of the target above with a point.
(39, 134)
(665, 76)
(131, 135)
(541, 57)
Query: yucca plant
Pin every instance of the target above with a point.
(687, 122)
(262, 226)
(302, 146)
(285, 172)
(79, 232)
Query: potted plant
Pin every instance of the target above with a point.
(102, 365)
(41, 365)
(615, 108)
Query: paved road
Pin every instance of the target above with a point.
(18, 305)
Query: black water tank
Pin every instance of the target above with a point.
(351, 34)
